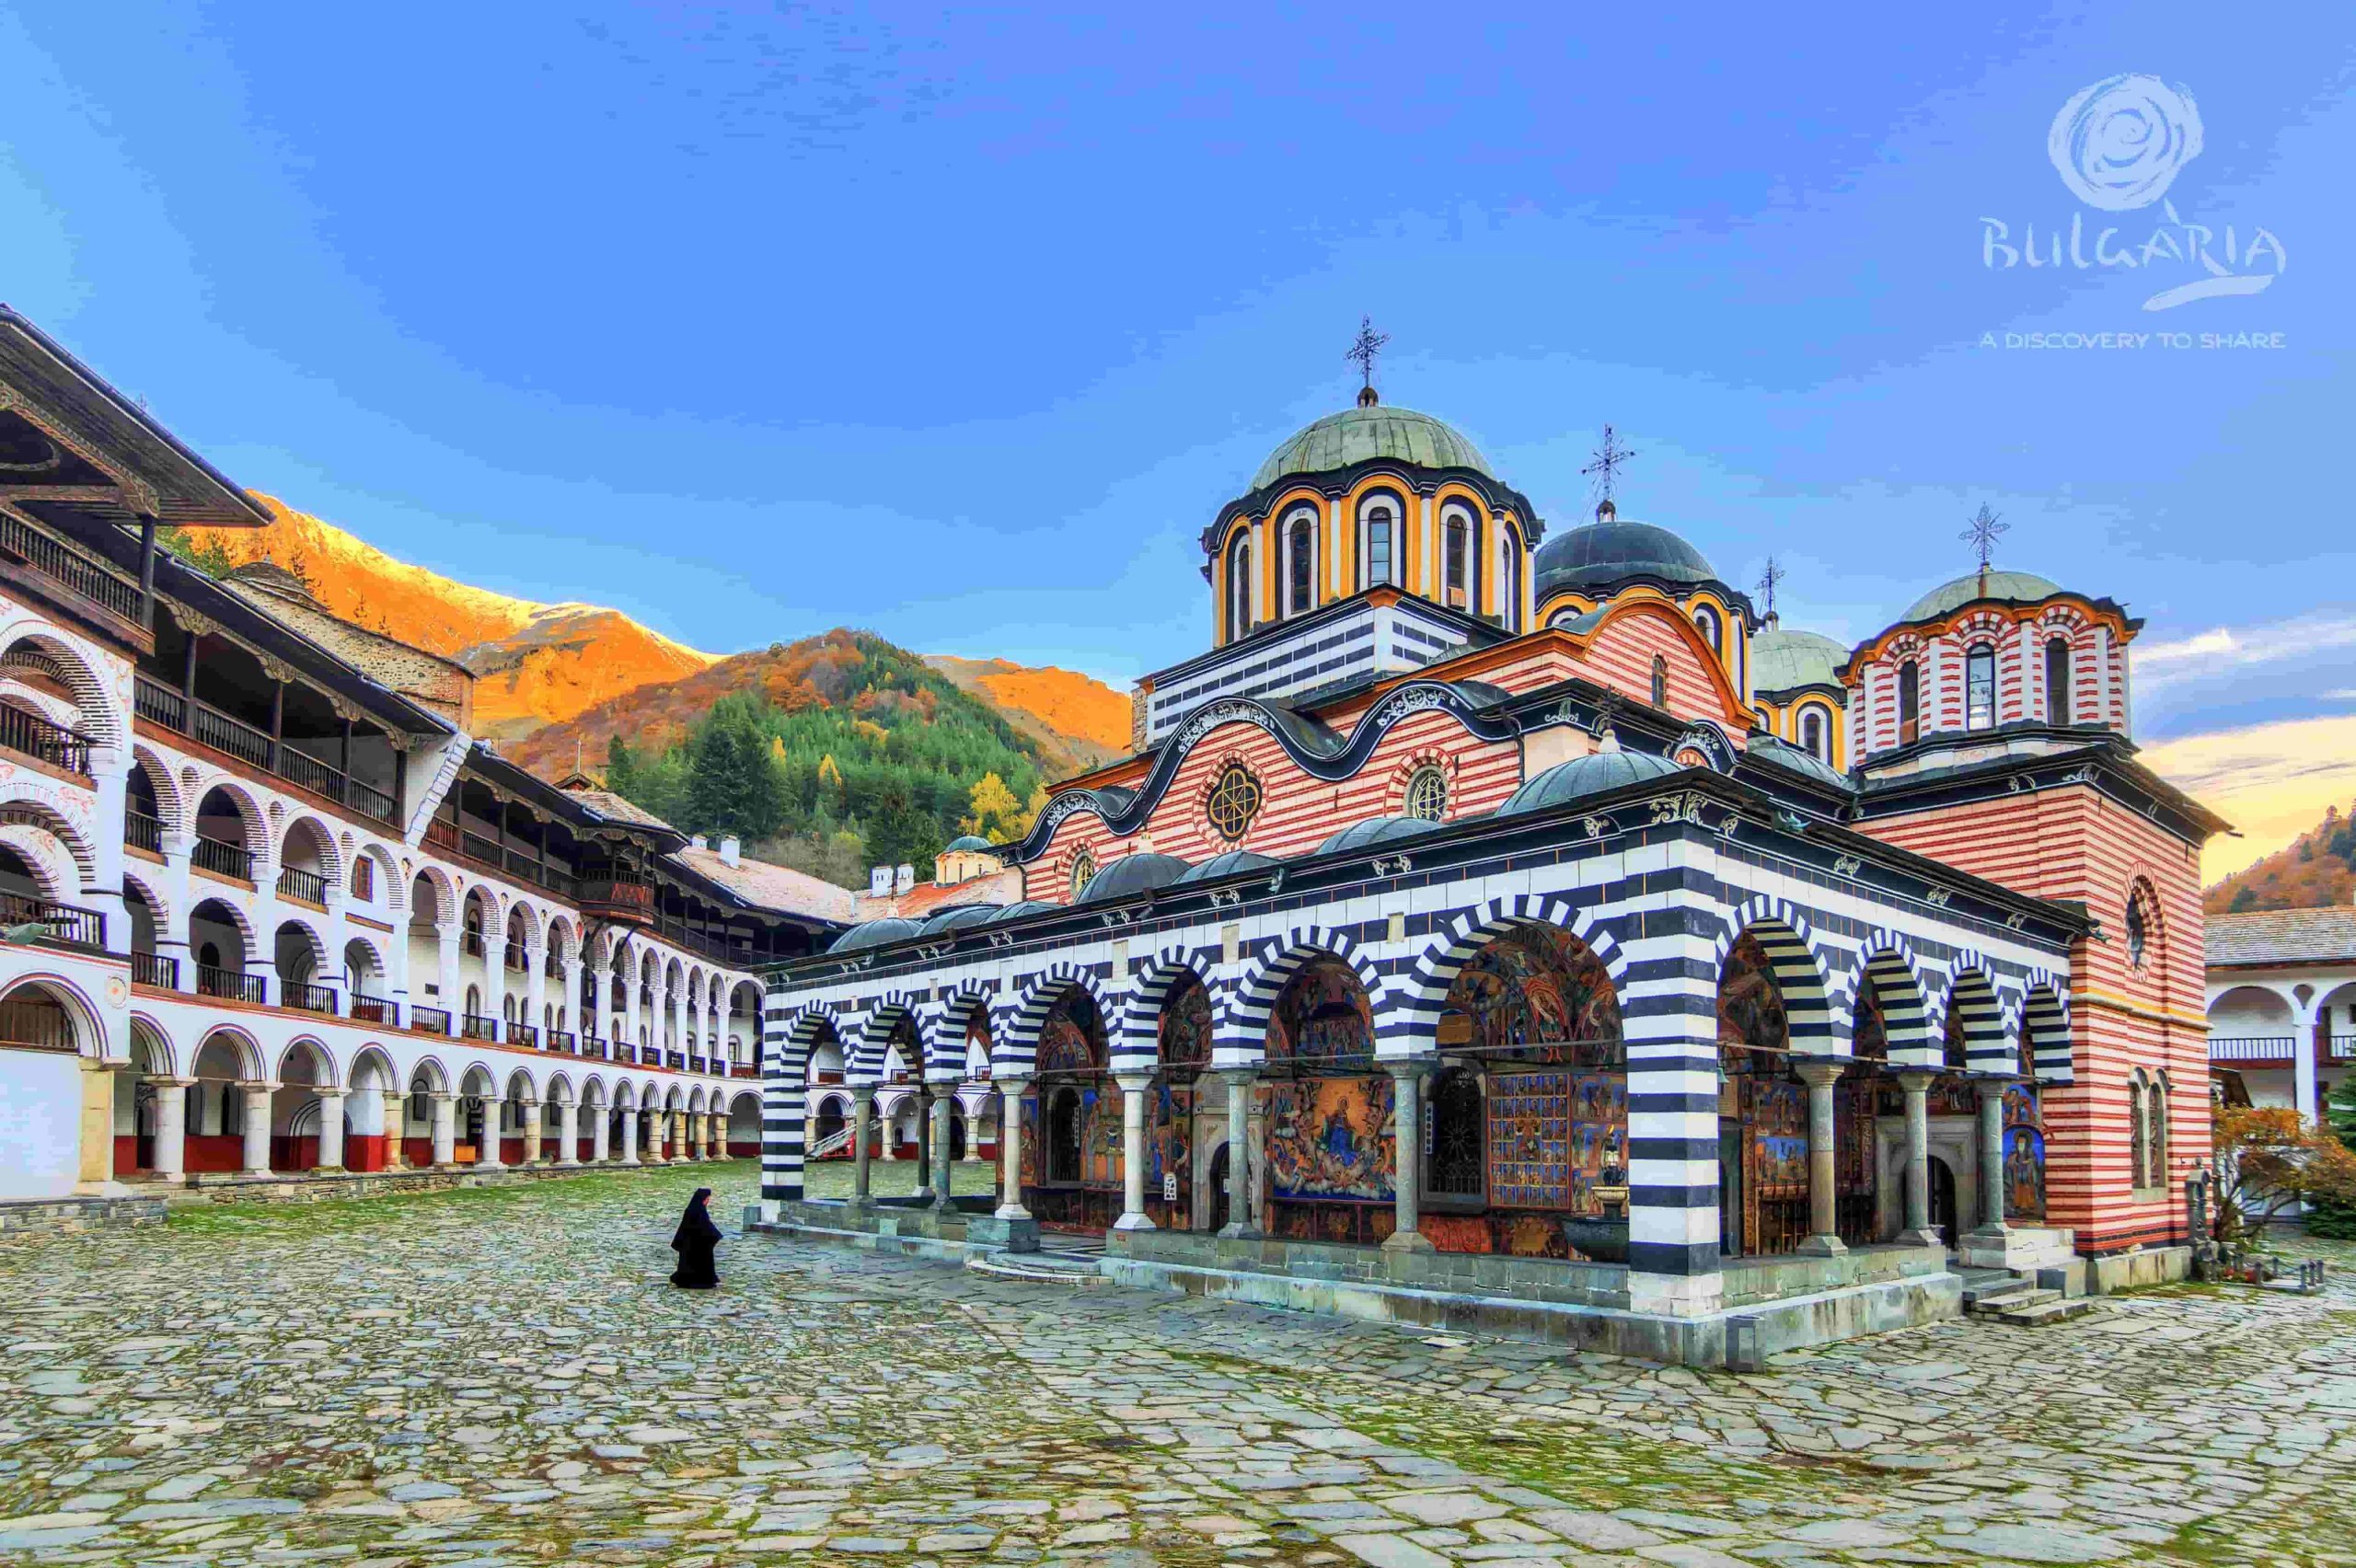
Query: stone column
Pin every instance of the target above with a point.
(256, 1095)
(531, 1131)
(629, 1137)
(1991, 1226)
(568, 1134)
(1408, 1150)
(446, 1130)
(924, 1141)
(489, 1157)
(974, 1134)
(944, 1199)
(601, 1134)
(171, 1126)
(1009, 1149)
(862, 1129)
(1255, 1132)
(1916, 1086)
(1241, 1082)
(331, 1131)
(1134, 1087)
(1823, 1207)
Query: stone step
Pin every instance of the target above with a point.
(1042, 1268)
(2007, 1290)
(2002, 1301)
(2055, 1310)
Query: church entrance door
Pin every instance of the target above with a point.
(1219, 1189)
(1943, 1199)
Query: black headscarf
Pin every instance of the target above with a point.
(696, 1225)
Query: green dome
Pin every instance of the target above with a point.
(2013, 587)
(1355, 436)
(971, 841)
(1783, 661)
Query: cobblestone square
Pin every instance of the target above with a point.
(502, 1375)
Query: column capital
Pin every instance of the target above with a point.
(1819, 1072)
(1404, 1067)
(159, 1081)
(1913, 1081)
(333, 1093)
(1133, 1083)
(258, 1086)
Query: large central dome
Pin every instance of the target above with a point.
(1355, 436)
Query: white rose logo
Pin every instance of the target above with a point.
(2118, 145)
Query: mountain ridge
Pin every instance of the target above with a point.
(2315, 870)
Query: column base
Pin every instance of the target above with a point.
(327, 1169)
(1921, 1238)
(1824, 1247)
(1408, 1241)
(1240, 1230)
(1135, 1222)
(1009, 1211)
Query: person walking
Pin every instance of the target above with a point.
(696, 1237)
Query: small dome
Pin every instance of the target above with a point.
(1017, 911)
(1228, 864)
(949, 919)
(1770, 748)
(1783, 661)
(1130, 875)
(1609, 550)
(876, 933)
(1584, 775)
(2011, 587)
(971, 841)
(1376, 830)
(1371, 431)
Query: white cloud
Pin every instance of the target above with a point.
(2271, 781)
(2222, 651)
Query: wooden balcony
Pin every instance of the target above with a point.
(65, 578)
(617, 900)
(209, 727)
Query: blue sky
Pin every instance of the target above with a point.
(960, 324)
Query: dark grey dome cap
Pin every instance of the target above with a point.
(960, 914)
(1585, 776)
(1131, 875)
(876, 933)
(1228, 864)
(1596, 555)
(1017, 910)
(1376, 830)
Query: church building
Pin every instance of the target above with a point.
(1520, 929)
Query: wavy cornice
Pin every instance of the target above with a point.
(1315, 749)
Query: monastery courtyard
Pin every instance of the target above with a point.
(502, 1377)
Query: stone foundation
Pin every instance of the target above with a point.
(1772, 1304)
(2138, 1270)
(62, 1216)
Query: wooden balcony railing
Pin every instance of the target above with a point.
(377, 1009)
(30, 734)
(523, 1035)
(430, 1020)
(309, 997)
(744, 1069)
(42, 1025)
(220, 855)
(158, 704)
(593, 1048)
(2252, 1047)
(563, 1040)
(234, 985)
(475, 1026)
(118, 596)
(300, 883)
(143, 832)
(66, 923)
(155, 969)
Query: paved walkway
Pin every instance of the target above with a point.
(463, 1379)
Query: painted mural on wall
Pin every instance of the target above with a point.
(1072, 1120)
(2024, 1164)
(1323, 1016)
(1555, 1138)
(1330, 1140)
(1751, 1007)
(1183, 1048)
(1536, 994)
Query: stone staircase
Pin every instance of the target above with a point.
(2009, 1297)
(1062, 1259)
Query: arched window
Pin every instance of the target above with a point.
(1980, 688)
(1379, 541)
(2056, 681)
(1456, 588)
(1300, 565)
(2139, 1137)
(1762, 720)
(1427, 795)
(1509, 584)
(1815, 736)
(1660, 681)
(2138, 934)
(1239, 588)
(364, 879)
(1459, 1164)
(1083, 872)
(2155, 1123)
(1909, 703)
(1712, 629)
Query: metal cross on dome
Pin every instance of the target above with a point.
(1767, 581)
(1368, 344)
(1610, 459)
(1982, 534)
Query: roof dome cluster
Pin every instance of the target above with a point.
(1608, 550)
(2009, 587)
(1368, 431)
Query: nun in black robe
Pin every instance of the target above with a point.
(697, 1236)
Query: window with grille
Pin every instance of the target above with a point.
(1083, 872)
(1427, 794)
(1660, 681)
(1909, 704)
(1979, 689)
(1234, 801)
(2056, 682)
(1302, 567)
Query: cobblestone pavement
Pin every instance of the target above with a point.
(501, 1376)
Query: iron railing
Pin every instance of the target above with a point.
(591, 1046)
(155, 969)
(523, 1035)
(474, 1026)
(2252, 1047)
(2344, 1047)
(563, 1040)
(30, 734)
(235, 985)
(220, 855)
(430, 1020)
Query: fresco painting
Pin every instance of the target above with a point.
(1535, 994)
(2023, 1154)
(1323, 1016)
(1330, 1140)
